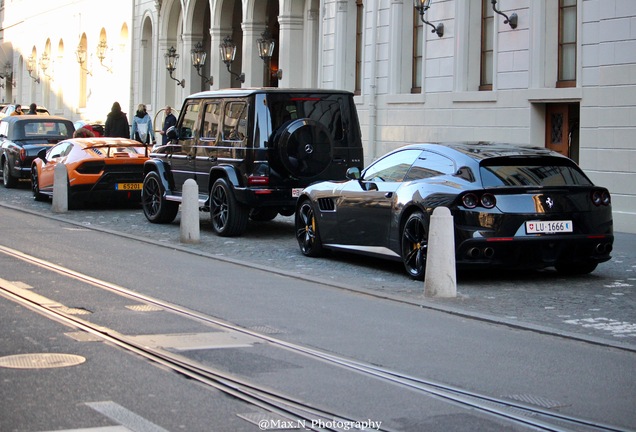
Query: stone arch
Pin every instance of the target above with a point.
(198, 24)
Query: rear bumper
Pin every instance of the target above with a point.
(104, 189)
(266, 197)
(534, 252)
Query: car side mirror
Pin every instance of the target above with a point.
(42, 154)
(171, 133)
(353, 173)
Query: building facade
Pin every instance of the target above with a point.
(551, 73)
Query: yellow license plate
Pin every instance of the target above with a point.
(128, 186)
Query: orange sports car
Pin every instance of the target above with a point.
(99, 170)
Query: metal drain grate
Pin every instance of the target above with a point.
(266, 329)
(144, 308)
(73, 311)
(40, 361)
(82, 336)
(536, 400)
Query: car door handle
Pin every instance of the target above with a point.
(388, 195)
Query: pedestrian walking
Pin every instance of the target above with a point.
(168, 122)
(142, 126)
(117, 123)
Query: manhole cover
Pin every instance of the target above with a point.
(40, 361)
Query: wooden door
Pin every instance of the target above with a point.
(557, 129)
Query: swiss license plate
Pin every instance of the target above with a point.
(549, 227)
(128, 186)
(296, 192)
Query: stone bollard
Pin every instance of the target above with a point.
(441, 276)
(60, 189)
(190, 232)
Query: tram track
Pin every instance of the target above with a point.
(299, 411)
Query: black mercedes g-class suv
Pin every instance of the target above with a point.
(251, 152)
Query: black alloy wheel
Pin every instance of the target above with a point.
(156, 208)
(35, 185)
(307, 230)
(414, 245)
(229, 217)
(9, 181)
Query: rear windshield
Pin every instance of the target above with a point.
(532, 174)
(327, 109)
(38, 129)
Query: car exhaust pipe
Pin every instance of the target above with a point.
(473, 253)
(603, 248)
(489, 252)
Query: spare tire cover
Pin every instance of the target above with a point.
(304, 147)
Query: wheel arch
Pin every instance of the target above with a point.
(224, 171)
(407, 211)
(163, 170)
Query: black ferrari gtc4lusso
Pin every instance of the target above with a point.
(513, 207)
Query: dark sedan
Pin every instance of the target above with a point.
(22, 137)
(513, 207)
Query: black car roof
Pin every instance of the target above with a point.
(239, 92)
(32, 118)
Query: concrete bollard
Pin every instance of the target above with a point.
(60, 189)
(441, 276)
(190, 231)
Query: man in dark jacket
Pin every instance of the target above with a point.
(169, 121)
(117, 123)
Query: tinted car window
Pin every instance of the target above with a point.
(235, 121)
(532, 174)
(211, 116)
(392, 168)
(190, 114)
(430, 164)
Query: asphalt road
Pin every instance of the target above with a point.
(600, 307)
(568, 376)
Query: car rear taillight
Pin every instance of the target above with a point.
(488, 200)
(23, 155)
(257, 180)
(601, 197)
(472, 200)
(91, 168)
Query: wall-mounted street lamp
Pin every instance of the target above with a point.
(31, 67)
(172, 59)
(266, 45)
(45, 62)
(8, 75)
(227, 49)
(81, 55)
(422, 6)
(512, 20)
(198, 61)
(101, 54)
